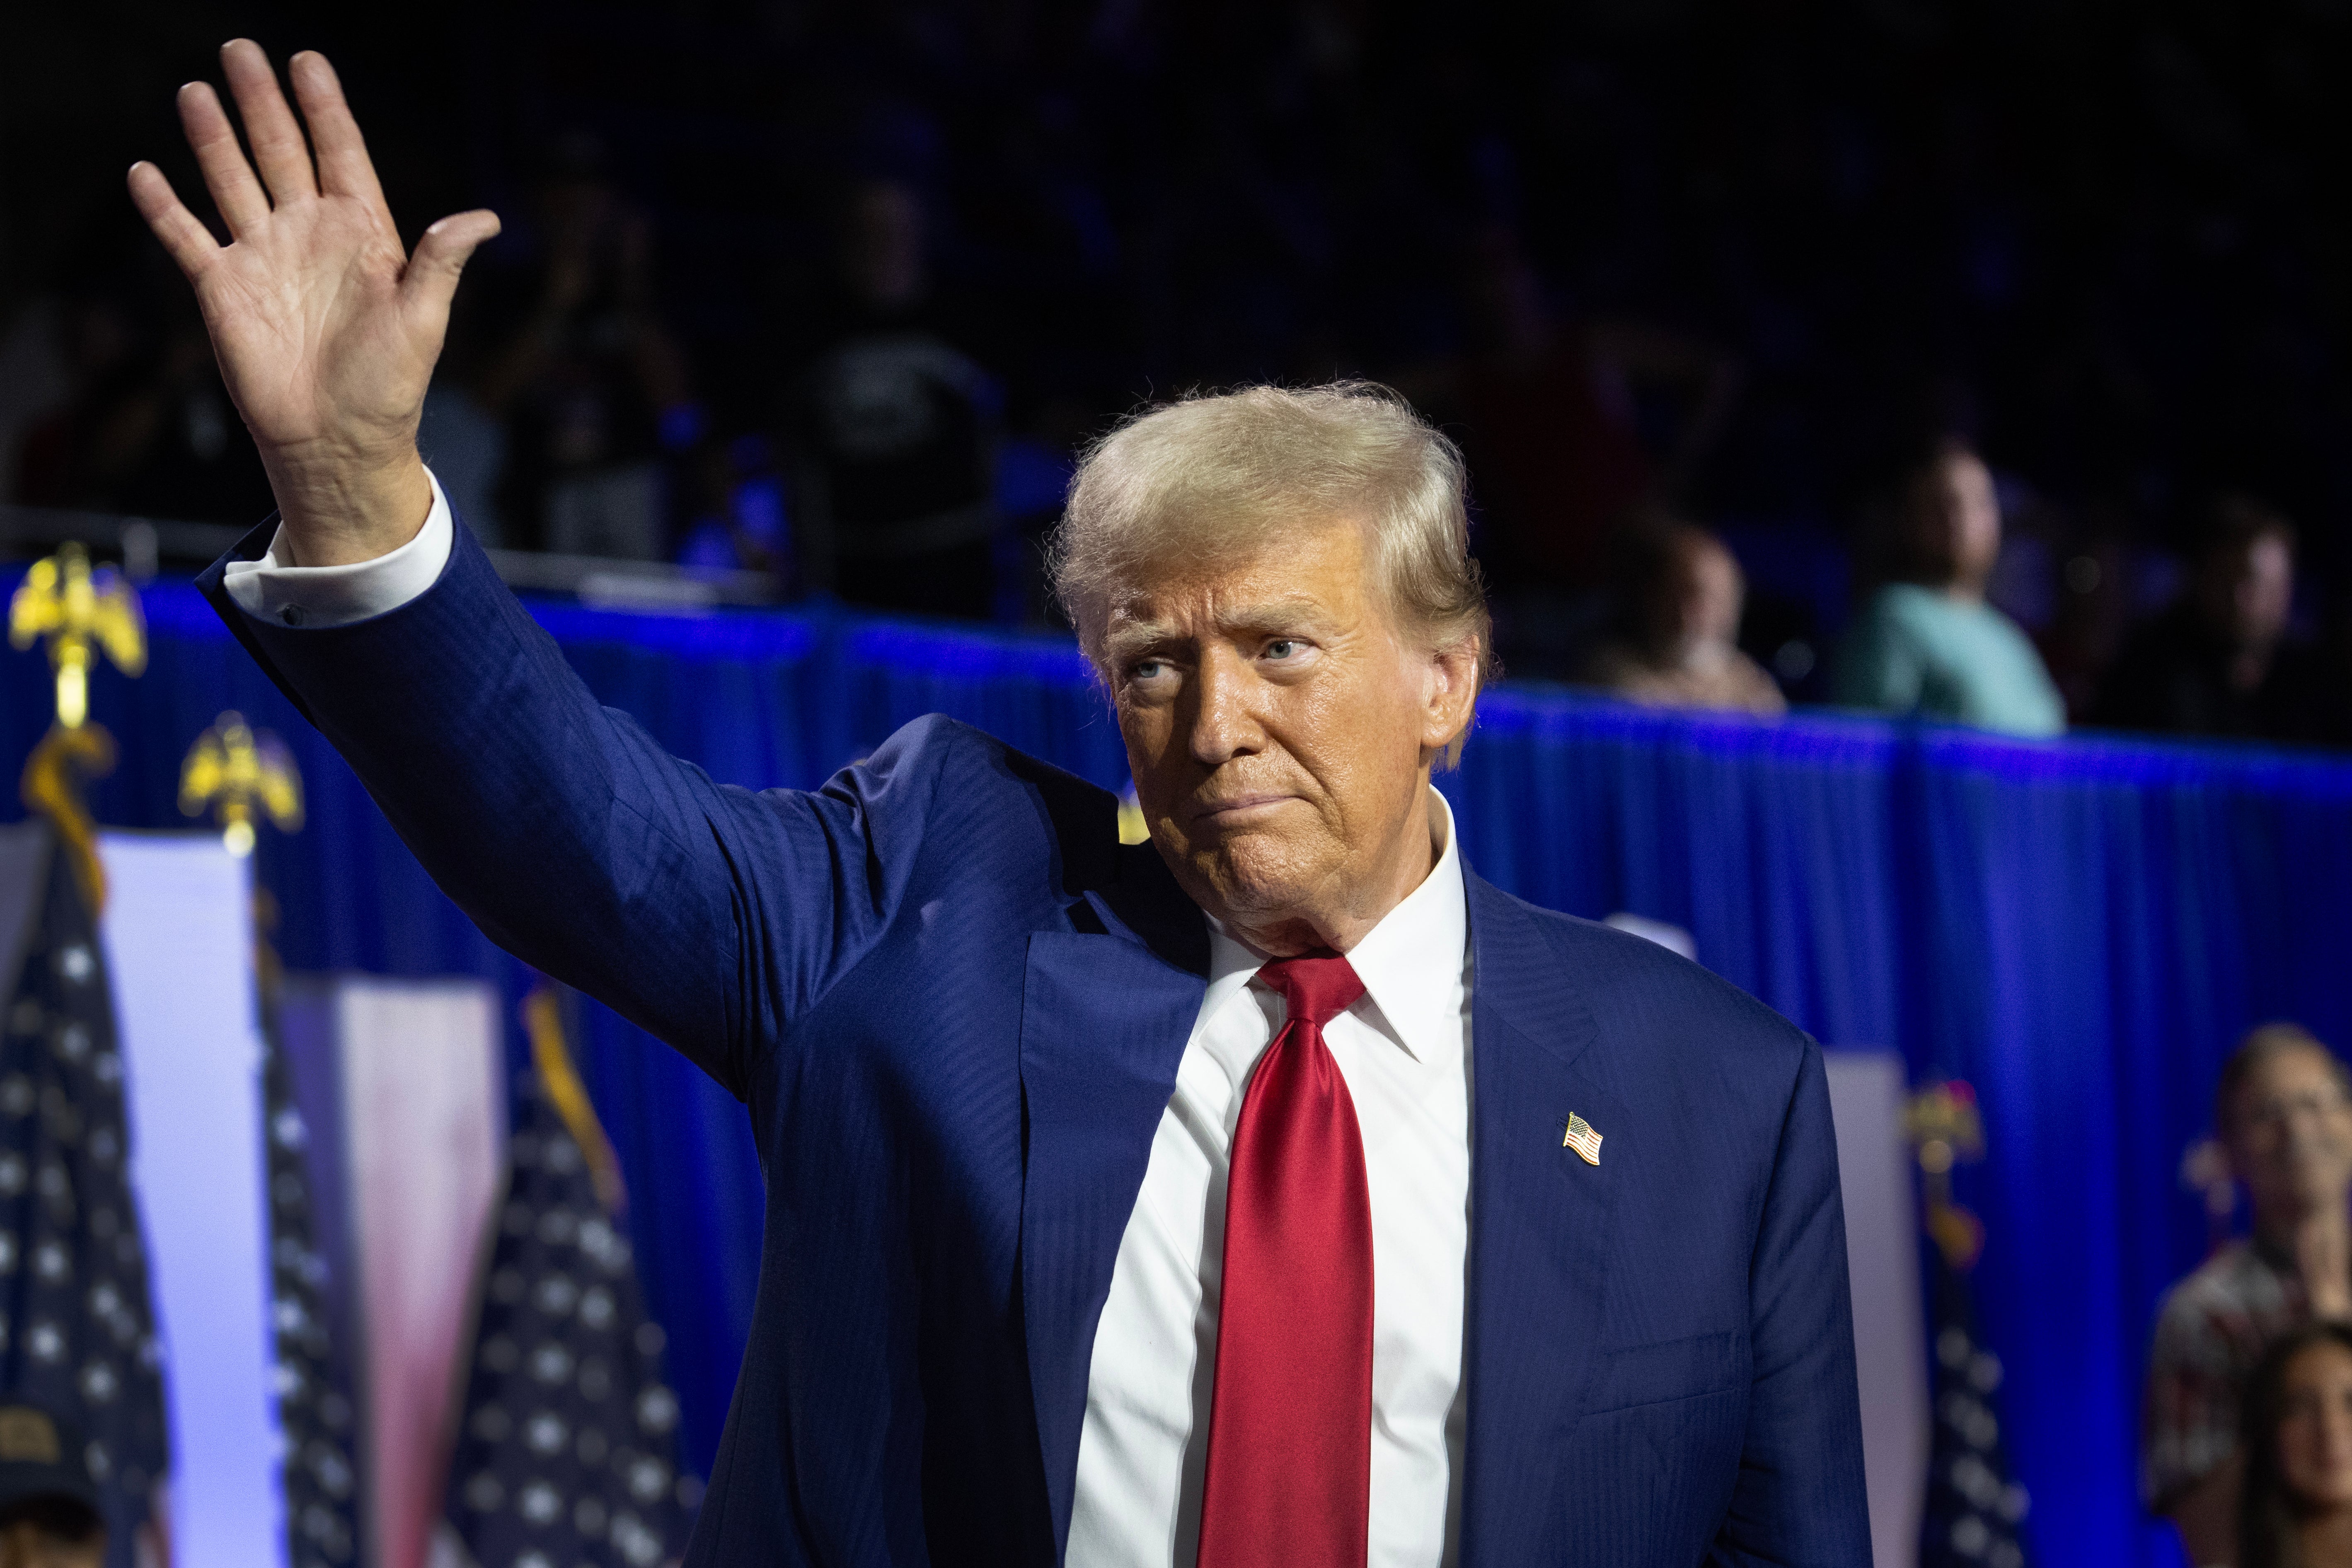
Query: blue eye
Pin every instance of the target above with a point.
(1282, 647)
(1144, 669)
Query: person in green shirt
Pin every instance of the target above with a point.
(1928, 643)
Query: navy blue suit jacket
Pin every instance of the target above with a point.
(954, 1005)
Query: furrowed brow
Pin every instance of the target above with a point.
(1132, 639)
(1273, 616)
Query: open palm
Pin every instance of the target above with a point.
(325, 328)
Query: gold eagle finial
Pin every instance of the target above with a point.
(233, 769)
(77, 609)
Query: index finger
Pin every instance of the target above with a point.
(344, 167)
(191, 243)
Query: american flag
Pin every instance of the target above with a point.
(314, 1412)
(567, 1453)
(77, 1327)
(1582, 1138)
(1974, 1508)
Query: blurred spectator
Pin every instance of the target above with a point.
(2284, 1114)
(891, 428)
(49, 1514)
(2218, 661)
(2297, 1507)
(2094, 609)
(1679, 596)
(1553, 426)
(590, 385)
(147, 427)
(460, 437)
(1927, 642)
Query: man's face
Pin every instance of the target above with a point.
(2290, 1134)
(1709, 594)
(2249, 592)
(2314, 1435)
(1281, 727)
(1956, 520)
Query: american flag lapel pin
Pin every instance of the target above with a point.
(1582, 1138)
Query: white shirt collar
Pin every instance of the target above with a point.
(1411, 962)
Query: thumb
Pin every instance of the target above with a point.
(430, 280)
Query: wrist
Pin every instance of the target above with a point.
(339, 510)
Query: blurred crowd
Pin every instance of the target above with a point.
(1917, 358)
(2247, 1428)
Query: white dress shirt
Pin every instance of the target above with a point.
(1404, 1050)
(338, 595)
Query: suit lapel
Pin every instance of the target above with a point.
(1105, 1012)
(1540, 1230)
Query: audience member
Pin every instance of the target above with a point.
(1676, 645)
(592, 387)
(147, 427)
(892, 429)
(1927, 642)
(2219, 662)
(2297, 1508)
(49, 1514)
(2284, 1114)
(1552, 410)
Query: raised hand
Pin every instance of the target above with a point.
(326, 330)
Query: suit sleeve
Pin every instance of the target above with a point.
(706, 914)
(1800, 1499)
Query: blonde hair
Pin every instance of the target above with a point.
(1222, 472)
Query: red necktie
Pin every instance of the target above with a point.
(1289, 1476)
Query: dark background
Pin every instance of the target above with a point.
(2110, 240)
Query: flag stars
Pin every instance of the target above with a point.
(546, 1432)
(648, 1479)
(556, 1295)
(71, 1257)
(550, 1363)
(566, 1410)
(538, 1503)
(656, 1409)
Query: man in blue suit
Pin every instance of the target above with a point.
(1274, 1193)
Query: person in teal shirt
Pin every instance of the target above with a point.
(1928, 644)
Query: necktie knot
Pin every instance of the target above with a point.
(1316, 987)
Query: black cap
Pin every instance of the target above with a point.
(42, 1455)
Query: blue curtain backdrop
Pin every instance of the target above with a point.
(2080, 929)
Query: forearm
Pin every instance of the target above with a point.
(566, 835)
(341, 506)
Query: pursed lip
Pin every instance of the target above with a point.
(1225, 812)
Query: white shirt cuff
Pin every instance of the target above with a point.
(338, 595)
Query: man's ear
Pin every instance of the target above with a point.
(1453, 696)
